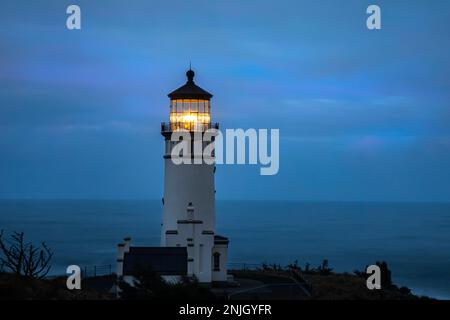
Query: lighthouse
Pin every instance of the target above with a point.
(189, 216)
(189, 243)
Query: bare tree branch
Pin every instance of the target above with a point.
(24, 258)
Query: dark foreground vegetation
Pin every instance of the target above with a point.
(318, 283)
(278, 284)
(150, 286)
(16, 287)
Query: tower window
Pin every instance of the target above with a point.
(216, 257)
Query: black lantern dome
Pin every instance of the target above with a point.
(190, 90)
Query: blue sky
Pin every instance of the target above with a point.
(363, 115)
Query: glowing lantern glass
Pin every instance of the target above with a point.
(190, 114)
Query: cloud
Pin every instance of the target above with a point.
(309, 68)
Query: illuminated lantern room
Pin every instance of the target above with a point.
(190, 107)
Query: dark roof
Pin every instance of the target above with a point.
(190, 90)
(221, 240)
(162, 260)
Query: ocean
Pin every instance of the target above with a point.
(414, 238)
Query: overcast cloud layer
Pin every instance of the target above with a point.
(362, 115)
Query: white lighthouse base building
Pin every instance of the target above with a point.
(203, 255)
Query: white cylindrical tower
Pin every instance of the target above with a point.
(189, 191)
